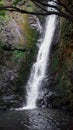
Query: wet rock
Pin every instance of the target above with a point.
(15, 64)
(12, 34)
(61, 69)
(71, 75)
(34, 23)
(44, 98)
(57, 33)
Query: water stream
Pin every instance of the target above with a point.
(38, 71)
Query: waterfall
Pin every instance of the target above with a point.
(38, 71)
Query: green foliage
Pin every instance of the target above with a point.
(28, 4)
(1, 2)
(2, 13)
(15, 2)
(18, 55)
(4, 19)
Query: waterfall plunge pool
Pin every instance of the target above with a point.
(36, 119)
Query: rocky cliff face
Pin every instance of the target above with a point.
(62, 68)
(18, 36)
(17, 45)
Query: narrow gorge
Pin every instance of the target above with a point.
(36, 71)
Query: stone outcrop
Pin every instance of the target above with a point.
(16, 33)
(62, 68)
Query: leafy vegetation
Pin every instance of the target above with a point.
(18, 55)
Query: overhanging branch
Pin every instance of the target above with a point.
(17, 9)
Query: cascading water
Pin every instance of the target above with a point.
(38, 71)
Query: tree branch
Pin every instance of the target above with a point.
(66, 7)
(37, 4)
(48, 5)
(58, 12)
(8, 48)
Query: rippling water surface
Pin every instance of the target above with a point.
(37, 119)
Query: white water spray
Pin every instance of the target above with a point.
(38, 71)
